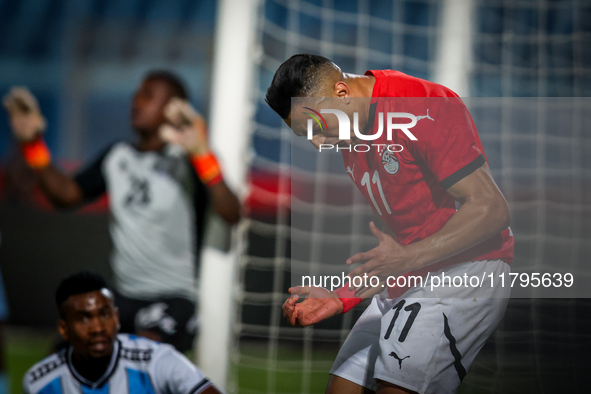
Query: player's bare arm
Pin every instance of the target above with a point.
(483, 214)
(225, 203)
(323, 304)
(62, 190)
(27, 124)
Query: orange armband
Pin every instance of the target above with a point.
(207, 168)
(36, 153)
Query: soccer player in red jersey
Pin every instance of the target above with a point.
(442, 213)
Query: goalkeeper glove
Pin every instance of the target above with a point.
(26, 119)
(188, 129)
(27, 124)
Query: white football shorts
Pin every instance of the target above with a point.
(425, 344)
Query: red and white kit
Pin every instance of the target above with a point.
(423, 344)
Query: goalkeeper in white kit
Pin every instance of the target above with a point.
(158, 187)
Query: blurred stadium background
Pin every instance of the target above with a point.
(84, 58)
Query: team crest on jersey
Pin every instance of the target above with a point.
(390, 162)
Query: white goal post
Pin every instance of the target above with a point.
(230, 119)
(454, 49)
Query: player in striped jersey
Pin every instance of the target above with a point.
(98, 360)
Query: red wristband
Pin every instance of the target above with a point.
(348, 298)
(36, 153)
(207, 168)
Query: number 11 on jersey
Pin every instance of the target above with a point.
(376, 181)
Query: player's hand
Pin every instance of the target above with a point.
(26, 120)
(187, 127)
(389, 258)
(319, 304)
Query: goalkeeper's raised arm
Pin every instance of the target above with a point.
(159, 119)
(187, 128)
(28, 124)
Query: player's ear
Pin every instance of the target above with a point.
(62, 328)
(342, 92)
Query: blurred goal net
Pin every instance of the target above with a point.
(519, 48)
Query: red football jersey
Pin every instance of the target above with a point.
(407, 189)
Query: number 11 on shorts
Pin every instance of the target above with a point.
(414, 311)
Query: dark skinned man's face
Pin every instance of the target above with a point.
(147, 112)
(90, 322)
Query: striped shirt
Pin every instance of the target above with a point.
(138, 366)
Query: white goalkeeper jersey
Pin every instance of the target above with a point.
(138, 366)
(157, 206)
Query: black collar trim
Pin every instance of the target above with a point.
(106, 376)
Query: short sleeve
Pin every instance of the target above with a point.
(175, 374)
(447, 145)
(26, 389)
(91, 179)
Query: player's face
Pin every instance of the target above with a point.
(90, 323)
(147, 112)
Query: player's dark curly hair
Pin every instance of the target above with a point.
(174, 81)
(299, 76)
(79, 283)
